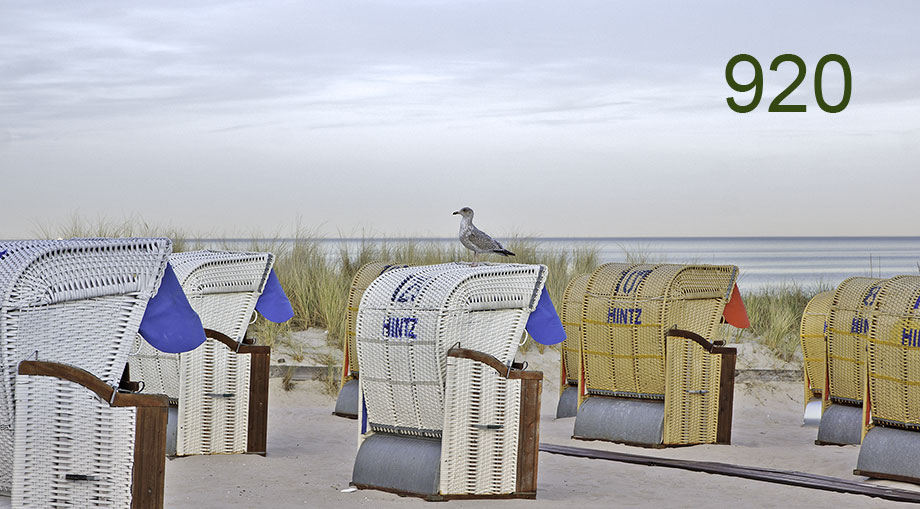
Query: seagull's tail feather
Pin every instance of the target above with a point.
(503, 252)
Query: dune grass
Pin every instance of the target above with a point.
(317, 278)
(776, 315)
(317, 282)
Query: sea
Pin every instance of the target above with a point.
(765, 262)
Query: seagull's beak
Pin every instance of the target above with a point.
(456, 212)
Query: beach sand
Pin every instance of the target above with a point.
(311, 453)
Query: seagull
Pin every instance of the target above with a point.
(475, 239)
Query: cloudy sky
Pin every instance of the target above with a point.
(382, 117)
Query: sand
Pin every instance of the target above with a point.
(311, 452)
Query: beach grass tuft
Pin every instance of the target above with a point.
(776, 315)
(317, 278)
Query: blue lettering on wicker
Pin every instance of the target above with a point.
(409, 289)
(859, 326)
(631, 316)
(910, 337)
(632, 280)
(870, 297)
(399, 328)
(917, 304)
(3, 253)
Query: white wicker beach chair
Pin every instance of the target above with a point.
(221, 392)
(67, 438)
(442, 422)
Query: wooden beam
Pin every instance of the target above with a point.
(726, 398)
(149, 476)
(90, 382)
(790, 478)
(258, 401)
(529, 435)
(510, 373)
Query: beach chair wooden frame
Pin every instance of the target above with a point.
(447, 412)
(140, 433)
(628, 359)
(106, 445)
(220, 389)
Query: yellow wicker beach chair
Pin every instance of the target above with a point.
(814, 351)
(346, 405)
(891, 415)
(849, 320)
(570, 364)
(635, 374)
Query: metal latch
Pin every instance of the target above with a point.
(488, 426)
(81, 477)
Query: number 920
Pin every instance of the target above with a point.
(776, 105)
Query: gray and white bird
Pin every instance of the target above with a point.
(475, 239)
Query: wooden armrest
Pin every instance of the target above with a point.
(503, 371)
(245, 346)
(90, 382)
(716, 348)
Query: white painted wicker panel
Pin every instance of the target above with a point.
(476, 460)
(205, 276)
(64, 429)
(483, 307)
(211, 383)
(213, 401)
(76, 301)
(204, 272)
(209, 424)
(159, 371)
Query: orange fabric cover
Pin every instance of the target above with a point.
(735, 312)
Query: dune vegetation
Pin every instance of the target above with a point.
(316, 276)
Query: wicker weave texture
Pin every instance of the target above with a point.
(363, 277)
(849, 321)
(213, 413)
(223, 288)
(894, 354)
(479, 447)
(572, 302)
(814, 347)
(63, 429)
(627, 310)
(206, 272)
(410, 317)
(691, 413)
(78, 302)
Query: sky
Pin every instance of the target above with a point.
(380, 118)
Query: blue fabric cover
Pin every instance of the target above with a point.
(170, 324)
(273, 304)
(544, 325)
